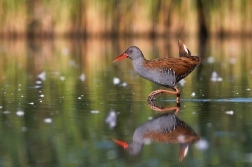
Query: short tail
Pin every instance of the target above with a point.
(183, 50)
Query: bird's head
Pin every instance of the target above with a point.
(132, 52)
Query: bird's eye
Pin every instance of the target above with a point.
(130, 51)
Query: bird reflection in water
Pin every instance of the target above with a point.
(166, 128)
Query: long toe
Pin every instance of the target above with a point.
(153, 94)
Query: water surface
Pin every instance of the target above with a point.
(55, 98)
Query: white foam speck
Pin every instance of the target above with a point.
(95, 111)
(82, 77)
(193, 94)
(20, 113)
(24, 129)
(124, 84)
(202, 144)
(31, 103)
(62, 78)
(48, 120)
(210, 60)
(182, 82)
(232, 60)
(215, 77)
(116, 81)
(42, 95)
(248, 89)
(150, 118)
(42, 76)
(1, 106)
(38, 82)
(79, 98)
(219, 79)
(229, 112)
(111, 119)
(6, 112)
(65, 51)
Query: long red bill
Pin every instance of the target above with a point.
(121, 143)
(124, 55)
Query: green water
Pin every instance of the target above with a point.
(55, 97)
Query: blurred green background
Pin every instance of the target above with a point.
(81, 18)
(61, 122)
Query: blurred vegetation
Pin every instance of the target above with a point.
(81, 18)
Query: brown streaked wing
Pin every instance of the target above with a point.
(180, 65)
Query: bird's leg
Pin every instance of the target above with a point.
(161, 91)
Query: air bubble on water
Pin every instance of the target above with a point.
(193, 94)
(48, 120)
(116, 81)
(210, 60)
(82, 77)
(42, 95)
(65, 51)
(79, 98)
(215, 77)
(229, 112)
(20, 113)
(37, 86)
(124, 84)
(150, 118)
(232, 60)
(202, 144)
(42, 76)
(62, 78)
(72, 63)
(1, 107)
(6, 112)
(24, 129)
(111, 119)
(248, 89)
(182, 82)
(38, 82)
(31, 103)
(95, 111)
